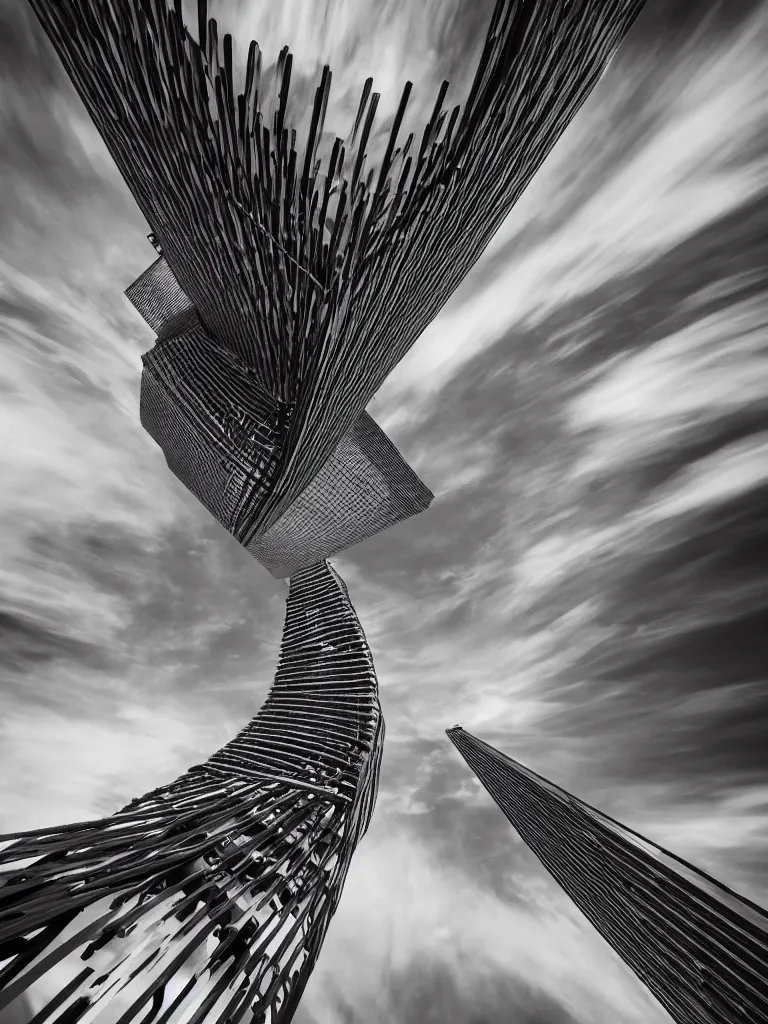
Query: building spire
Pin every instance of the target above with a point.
(699, 947)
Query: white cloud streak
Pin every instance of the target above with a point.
(667, 392)
(697, 164)
(404, 912)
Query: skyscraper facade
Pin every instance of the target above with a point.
(314, 269)
(365, 487)
(700, 948)
(208, 899)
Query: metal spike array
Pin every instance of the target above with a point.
(316, 269)
(208, 899)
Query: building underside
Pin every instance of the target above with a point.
(294, 275)
(222, 435)
(315, 269)
(209, 898)
(700, 948)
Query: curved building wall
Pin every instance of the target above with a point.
(209, 898)
(221, 434)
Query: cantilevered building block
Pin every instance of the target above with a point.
(209, 898)
(159, 298)
(701, 949)
(313, 268)
(222, 436)
(364, 488)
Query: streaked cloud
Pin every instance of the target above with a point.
(408, 915)
(668, 153)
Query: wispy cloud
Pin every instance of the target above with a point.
(90, 766)
(653, 157)
(407, 914)
(670, 391)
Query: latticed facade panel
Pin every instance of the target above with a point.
(222, 435)
(315, 268)
(700, 948)
(219, 431)
(158, 296)
(209, 898)
(364, 488)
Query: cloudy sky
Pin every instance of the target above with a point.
(587, 591)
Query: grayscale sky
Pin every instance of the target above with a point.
(588, 591)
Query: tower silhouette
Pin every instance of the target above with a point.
(208, 899)
(700, 948)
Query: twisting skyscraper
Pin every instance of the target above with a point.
(700, 948)
(310, 273)
(209, 898)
